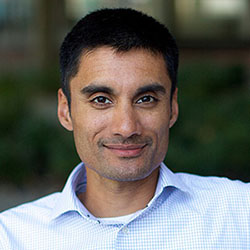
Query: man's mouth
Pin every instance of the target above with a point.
(126, 150)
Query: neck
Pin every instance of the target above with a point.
(109, 198)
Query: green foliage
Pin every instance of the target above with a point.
(211, 136)
(33, 144)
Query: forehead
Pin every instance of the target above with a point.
(129, 69)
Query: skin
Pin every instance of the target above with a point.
(120, 116)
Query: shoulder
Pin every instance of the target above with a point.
(207, 182)
(217, 189)
(30, 211)
(20, 223)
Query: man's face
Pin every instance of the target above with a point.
(120, 112)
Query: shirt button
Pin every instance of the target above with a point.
(125, 230)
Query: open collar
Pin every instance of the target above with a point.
(68, 201)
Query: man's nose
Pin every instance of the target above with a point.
(126, 121)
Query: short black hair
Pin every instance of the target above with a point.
(121, 29)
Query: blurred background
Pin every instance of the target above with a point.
(212, 135)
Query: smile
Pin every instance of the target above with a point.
(126, 150)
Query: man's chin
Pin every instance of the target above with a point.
(127, 173)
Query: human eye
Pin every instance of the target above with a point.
(147, 99)
(101, 101)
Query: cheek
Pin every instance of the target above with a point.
(158, 127)
(89, 126)
(157, 122)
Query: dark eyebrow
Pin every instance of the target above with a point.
(93, 88)
(154, 87)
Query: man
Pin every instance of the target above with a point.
(119, 98)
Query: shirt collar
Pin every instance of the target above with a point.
(68, 201)
(169, 179)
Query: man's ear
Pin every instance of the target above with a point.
(63, 111)
(174, 108)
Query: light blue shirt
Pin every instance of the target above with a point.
(187, 212)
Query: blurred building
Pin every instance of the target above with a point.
(215, 29)
(31, 31)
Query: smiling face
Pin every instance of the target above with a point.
(120, 112)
